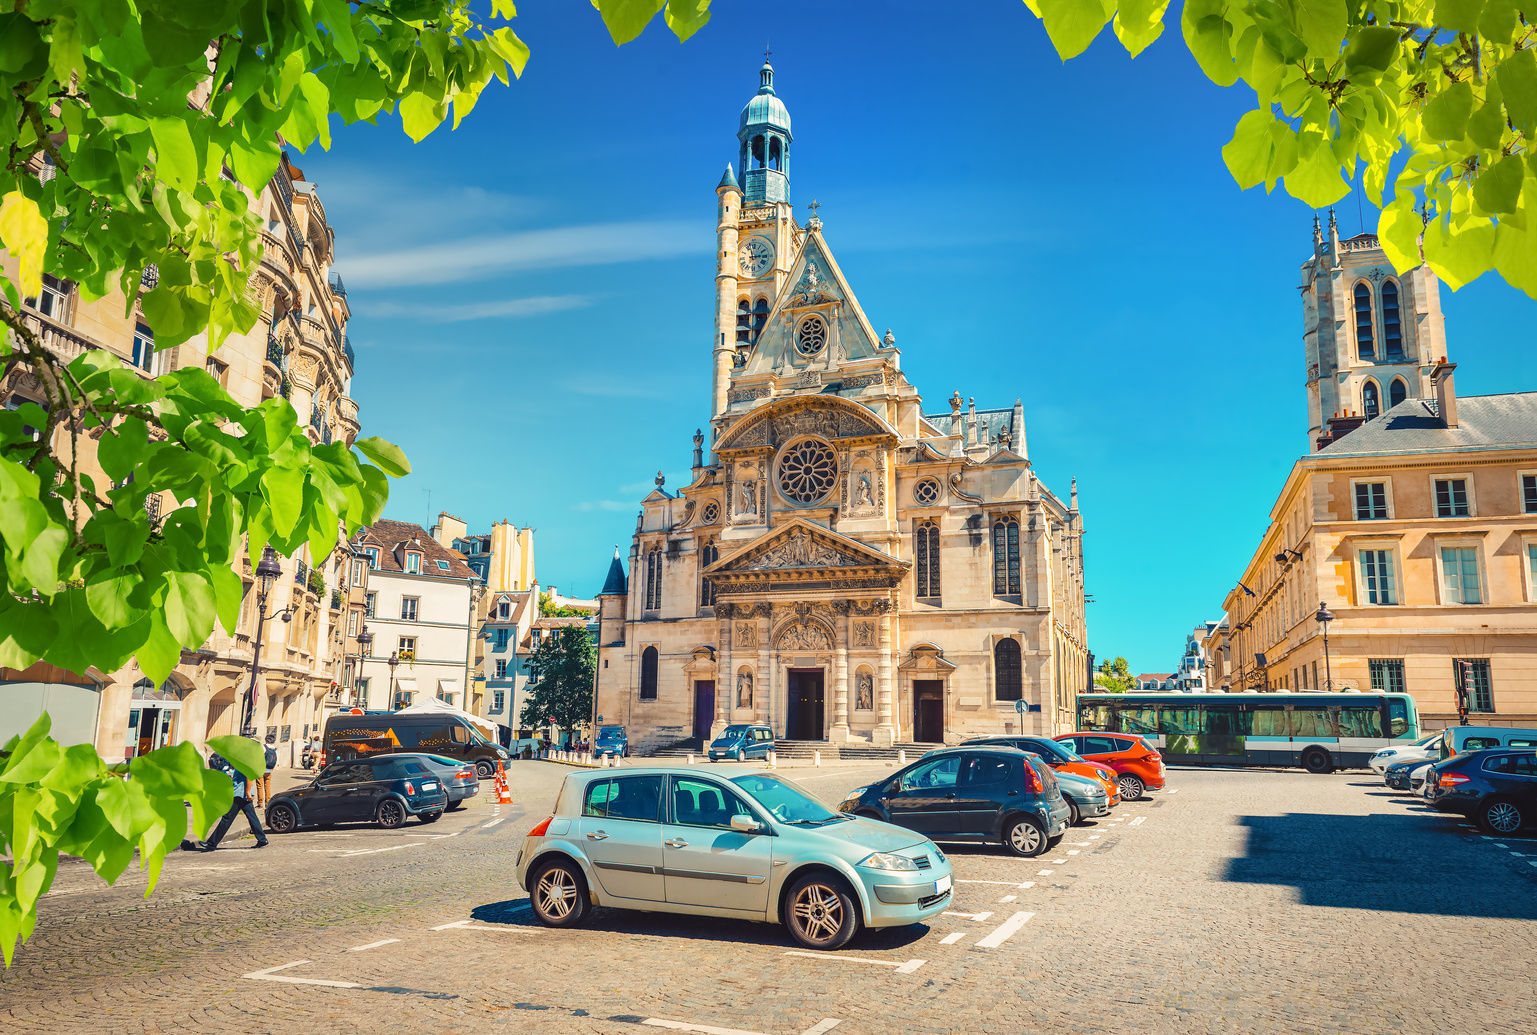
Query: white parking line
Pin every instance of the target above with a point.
(951, 939)
(1028, 884)
(1174, 791)
(1073, 852)
(271, 974)
(705, 1029)
(1045, 873)
(826, 1024)
(1008, 898)
(1005, 931)
(1137, 821)
(370, 851)
(901, 968)
(373, 945)
(1008, 883)
(1095, 837)
(439, 837)
(494, 822)
(978, 917)
(470, 925)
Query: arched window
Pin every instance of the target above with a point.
(709, 553)
(1397, 391)
(1006, 557)
(774, 154)
(1365, 348)
(1008, 681)
(648, 674)
(757, 153)
(743, 323)
(1392, 336)
(760, 315)
(1370, 403)
(926, 559)
(653, 580)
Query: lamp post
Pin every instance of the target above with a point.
(365, 641)
(394, 660)
(268, 570)
(1323, 618)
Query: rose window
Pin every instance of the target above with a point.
(711, 512)
(807, 471)
(810, 336)
(926, 491)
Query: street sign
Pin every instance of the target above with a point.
(1021, 707)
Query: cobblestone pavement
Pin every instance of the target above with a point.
(1258, 901)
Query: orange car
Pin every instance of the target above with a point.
(1061, 756)
(1137, 766)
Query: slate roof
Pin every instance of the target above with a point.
(387, 535)
(615, 583)
(1483, 422)
(989, 423)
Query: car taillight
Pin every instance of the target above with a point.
(1033, 780)
(539, 831)
(1153, 756)
(410, 787)
(1451, 779)
(464, 774)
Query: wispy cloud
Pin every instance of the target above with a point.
(507, 307)
(472, 258)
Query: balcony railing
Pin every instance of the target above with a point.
(352, 364)
(301, 572)
(275, 353)
(286, 388)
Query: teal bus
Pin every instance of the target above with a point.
(1317, 731)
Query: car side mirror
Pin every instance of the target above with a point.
(745, 824)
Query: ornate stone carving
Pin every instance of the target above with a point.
(809, 379)
(746, 635)
(863, 497)
(865, 380)
(864, 693)
(813, 288)
(725, 610)
(749, 394)
(744, 689)
(864, 634)
(803, 637)
(800, 550)
(748, 501)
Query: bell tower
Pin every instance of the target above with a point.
(764, 157)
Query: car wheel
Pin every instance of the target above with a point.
(871, 814)
(392, 814)
(431, 817)
(282, 819)
(1131, 787)
(456, 805)
(1025, 838)
(1501, 816)
(485, 770)
(1073, 816)
(559, 897)
(821, 912)
(1317, 761)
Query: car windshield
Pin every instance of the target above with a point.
(733, 731)
(440, 760)
(786, 803)
(611, 733)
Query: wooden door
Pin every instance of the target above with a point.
(704, 707)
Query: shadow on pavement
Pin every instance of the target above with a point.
(1408, 864)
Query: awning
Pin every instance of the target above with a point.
(448, 689)
(406, 686)
(434, 706)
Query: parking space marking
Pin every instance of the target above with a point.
(1005, 883)
(494, 822)
(271, 974)
(373, 945)
(951, 939)
(1136, 821)
(704, 1029)
(1008, 898)
(901, 968)
(470, 925)
(1095, 837)
(1044, 873)
(1028, 884)
(978, 917)
(1073, 852)
(439, 837)
(826, 1024)
(1005, 931)
(1174, 791)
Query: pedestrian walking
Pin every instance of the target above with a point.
(242, 803)
(262, 785)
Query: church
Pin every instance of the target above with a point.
(846, 565)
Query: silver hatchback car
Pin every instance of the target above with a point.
(736, 842)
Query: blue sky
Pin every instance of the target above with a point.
(532, 295)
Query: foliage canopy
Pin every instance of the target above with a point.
(563, 668)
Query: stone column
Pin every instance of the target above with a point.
(725, 675)
(840, 731)
(764, 680)
(885, 730)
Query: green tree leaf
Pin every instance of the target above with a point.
(1316, 181)
(24, 232)
(189, 608)
(243, 753)
(175, 154)
(387, 455)
(1498, 187)
(1322, 25)
(1248, 154)
(1446, 117)
(686, 17)
(1459, 15)
(1208, 35)
(627, 19)
(1073, 24)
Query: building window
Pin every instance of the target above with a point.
(1459, 574)
(654, 580)
(369, 600)
(352, 623)
(413, 564)
(406, 645)
(1387, 674)
(1365, 349)
(1371, 402)
(408, 608)
(144, 355)
(648, 661)
(498, 700)
(1371, 501)
(504, 610)
(1451, 497)
(1397, 392)
(444, 566)
(709, 553)
(357, 572)
(1529, 493)
(808, 470)
(403, 699)
(218, 371)
(1008, 683)
(502, 637)
(373, 556)
(360, 687)
(52, 299)
(1392, 336)
(501, 668)
(1377, 576)
(1006, 557)
(926, 559)
(743, 323)
(1472, 676)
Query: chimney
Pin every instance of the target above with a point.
(1446, 392)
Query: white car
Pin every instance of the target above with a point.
(1422, 748)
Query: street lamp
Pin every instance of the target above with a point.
(1323, 618)
(268, 571)
(365, 640)
(392, 662)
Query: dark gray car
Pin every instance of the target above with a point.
(459, 779)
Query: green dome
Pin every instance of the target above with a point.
(765, 109)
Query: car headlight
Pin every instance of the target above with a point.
(887, 861)
(855, 794)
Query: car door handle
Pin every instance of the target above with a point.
(949, 797)
(596, 835)
(676, 842)
(1012, 793)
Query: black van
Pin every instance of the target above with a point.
(354, 736)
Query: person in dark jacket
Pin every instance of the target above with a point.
(241, 804)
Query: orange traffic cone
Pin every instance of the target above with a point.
(503, 792)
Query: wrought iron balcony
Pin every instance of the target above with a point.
(275, 353)
(301, 572)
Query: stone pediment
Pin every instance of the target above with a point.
(799, 545)
(828, 416)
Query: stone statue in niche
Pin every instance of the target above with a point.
(862, 498)
(802, 637)
(864, 634)
(864, 693)
(746, 634)
(744, 689)
(749, 504)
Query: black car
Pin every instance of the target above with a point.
(459, 779)
(1397, 775)
(384, 789)
(1497, 788)
(980, 794)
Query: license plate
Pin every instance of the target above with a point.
(942, 885)
(429, 786)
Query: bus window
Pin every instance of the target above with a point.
(1097, 718)
(1267, 720)
(1177, 720)
(1360, 721)
(1139, 718)
(1398, 717)
(1312, 722)
(1226, 719)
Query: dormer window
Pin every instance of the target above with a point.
(413, 564)
(373, 557)
(504, 610)
(443, 566)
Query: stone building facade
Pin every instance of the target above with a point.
(845, 564)
(298, 348)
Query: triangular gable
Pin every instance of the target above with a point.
(799, 543)
(815, 279)
(1006, 456)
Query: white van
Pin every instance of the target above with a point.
(1457, 740)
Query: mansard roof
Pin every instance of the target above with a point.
(1413, 426)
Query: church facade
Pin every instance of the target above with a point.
(846, 564)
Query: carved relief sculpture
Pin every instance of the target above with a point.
(801, 551)
(749, 504)
(864, 634)
(803, 637)
(744, 689)
(863, 497)
(864, 694)
(746, 635)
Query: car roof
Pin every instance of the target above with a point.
(952, 749)
(727, 769)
